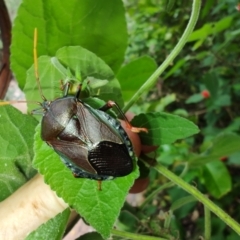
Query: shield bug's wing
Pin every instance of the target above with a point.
(73, 154)
(95, 127)
(111, 159)
(111, 154)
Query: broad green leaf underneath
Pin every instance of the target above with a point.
(16, 151)
(99, 208)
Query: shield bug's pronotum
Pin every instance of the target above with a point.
(90, 142)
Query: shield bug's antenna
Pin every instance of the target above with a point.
(36, 64)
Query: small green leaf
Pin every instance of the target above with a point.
(223, 101)
(223, 145)
(175, 68)
(182, 201)
(92, 66)
(52, 229)
(16, 151)
(217, 179)
(211, 28)
(68, 23)
(163, 128)
(99, 208)
(133, 75)
(195, 98)
(127, 221)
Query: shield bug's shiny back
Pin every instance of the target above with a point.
(89, 141)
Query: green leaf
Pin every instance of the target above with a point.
(211, 28)
(200, 35)
(99, 208)
(54, 69)
(175, 68)
(127, 221)
(52, 229)
(92, 66)
(223, 100)
(163, 128)
(16, 151)
(11, 178)
(195, 98)
(223, 145)
(182, 201)
(217, 179)
(133, 75)
(68, 23)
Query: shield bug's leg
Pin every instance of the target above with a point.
(62, 86)
(78, 91)
(99, 185)
(99, 182)
(111, 104)
(66, 89)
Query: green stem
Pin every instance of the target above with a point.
(200, 197)
(133, 236)
(207, 223)
(154, 77)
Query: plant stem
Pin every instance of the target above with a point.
(207, 223)
(154, 77)
(200, 197)
(128, 235)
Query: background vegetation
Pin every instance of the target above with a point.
(201, 85)
(209, 63)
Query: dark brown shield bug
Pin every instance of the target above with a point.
(89, 141)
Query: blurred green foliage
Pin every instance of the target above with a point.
(208, 63)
